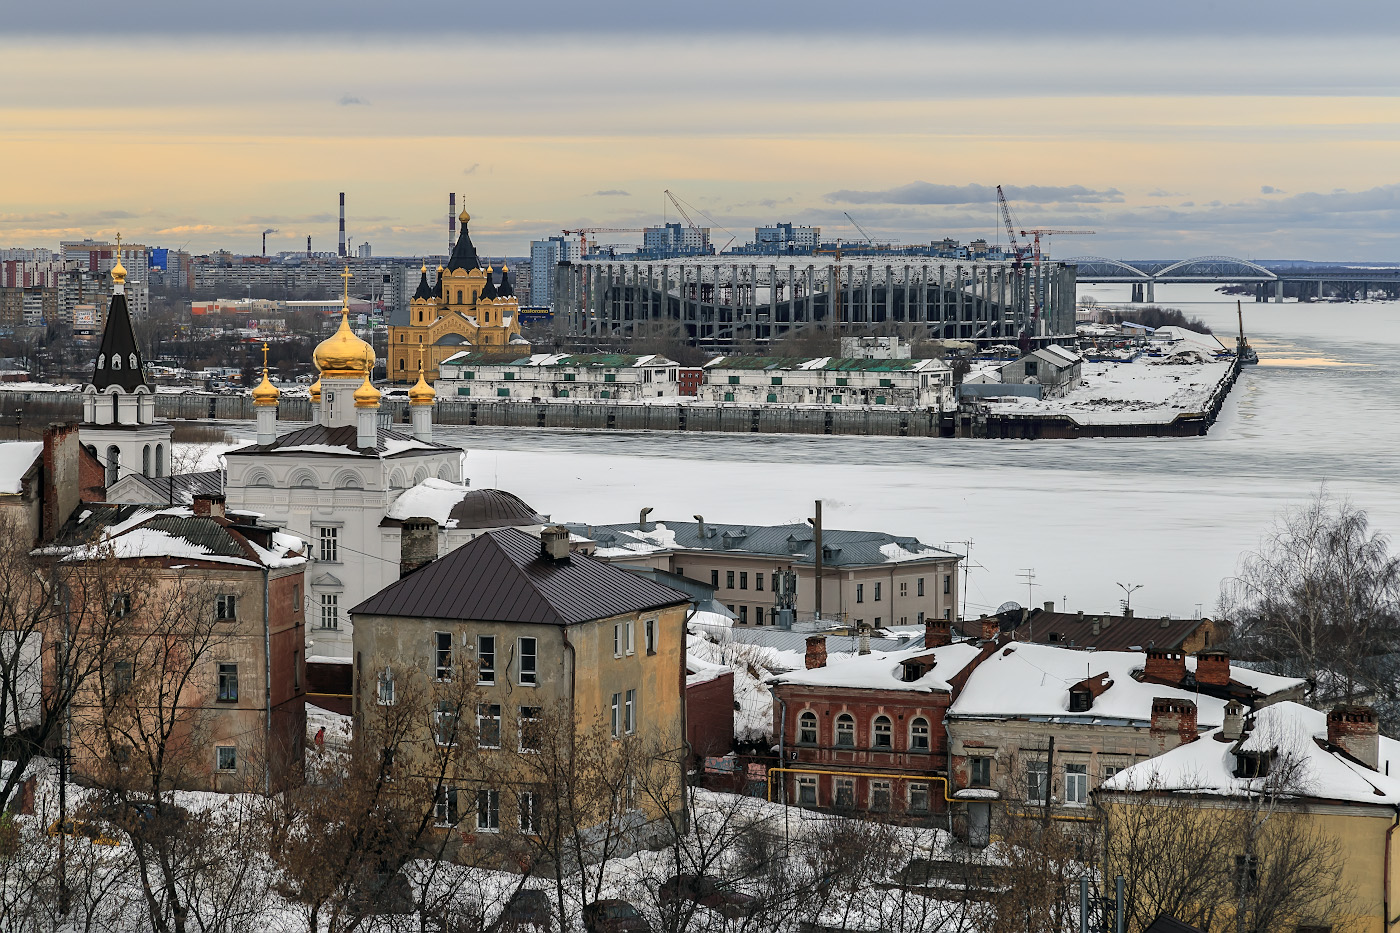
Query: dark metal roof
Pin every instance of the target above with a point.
(505, 290)
(463, 256)
(493, 508)
(345, 436)
(502, 576)
(119, 344)
(1122, 633)
(489, 289)
(424, 291)
(179, 488)
(790, 542)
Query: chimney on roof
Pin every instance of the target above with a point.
(554, 543)
(937, 633)
(816, 651)
(1213, 667)
(61, 483)
(1166, 620)
(1354, 730)
(1127, 613)
(991, 627)
(642, 519)
(1081, 615)
(1173, 723)
(418, 545)
(1050, 606)
(700, 520)
(1232, 728)
(209, 504)
(1094, 629)
(1165, 666)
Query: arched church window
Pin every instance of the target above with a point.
(101, 360)
(160, 460)
(146, 460)
(459, 296)
(116, 361)
(114, 464)
(133, 361)
(400, 364)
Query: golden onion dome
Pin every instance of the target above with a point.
(343, 355)
(464, 216)
(316, 391)
(366, 396)
(265, 393)
(421, 393)
(119, 273)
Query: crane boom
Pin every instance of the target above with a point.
(679, 209)
(1007, 219)
(867, 236)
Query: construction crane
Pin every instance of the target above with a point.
(582, 232)
(1042, 232)
(690, 223)
(1017, 250)
(867, 236)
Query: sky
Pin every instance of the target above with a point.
(1265, 131)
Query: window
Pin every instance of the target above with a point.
(807, 728)
(486, 659)
(228, 683)
(503, 392)
(743, 615)
(631, 643)
(386, 687)
(445, 808)
(729, 396)
(845, 731)
(445, 723)
(772, 396)
(651, 636)
(529, 804)
(616, 715)
(947, 584)
(488, 725)
(918, 735)
(980, 769)
(510, 376)
(1076, 785)
(442, 654)
(569, 377)
(1080, 700)
(842, 381)
(330, 610)
(330, 544)
(733, 380)
(1253, 764)
(609, 377)
(860, 592)
(225, 607)
(531, 736)
(948, 614)
(845, 793)
(777, 380)
(296, 670)
(877, 592)
(1036, 784)
(617, 639)
(879, 795)
(526, 648)
(884, 732)
(714, 578)
(121, 605)
(1246, 875)
(1110, 770)
(921, 586)
(918, 798)
(226, 758)
(630, 722)
(758, 582)
(903, 589)
(729, 579)
(488, 811)
(743, 579)
(758, 615)
(807, 791)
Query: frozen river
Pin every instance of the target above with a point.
(1170, 514)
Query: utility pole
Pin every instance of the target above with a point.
(817, 545)
(1129, 588)
(1028, 574)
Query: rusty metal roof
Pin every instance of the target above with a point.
(1122, 633)
(503, 576)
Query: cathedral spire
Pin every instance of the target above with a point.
(119, 360)
(464, 257)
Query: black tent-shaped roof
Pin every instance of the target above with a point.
(504, 290)
(464, 253)
(489, 291)
(501, 576)
(119, 360)
(437, 285)
(425, 291)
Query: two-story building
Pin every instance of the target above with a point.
(767, 380)
(869, 579)
(541, 629)
(1053, 368)
(590, 376)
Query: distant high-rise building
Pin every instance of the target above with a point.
(677, 239)
(544, 256)
(782, 238)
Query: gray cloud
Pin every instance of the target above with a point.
(922, 192)
(612, 193)
(39, 218)
(471, 169)
(1270, 189)
(351, 101)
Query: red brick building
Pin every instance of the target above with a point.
(709, 713)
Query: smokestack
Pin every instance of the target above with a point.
(308, 246)
(342, 224)
(451, 221)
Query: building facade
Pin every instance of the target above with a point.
(544, 256)
(615, 376)
(763, 380)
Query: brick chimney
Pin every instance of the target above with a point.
(418, 545)
(554, 543)
(991, 627)
(1173, 723)
(1353, 729)
(816, 651)
(62, 485)
(209, 504)
(1213, 668)
(1166, 666)
(1232, 728)
(936, 633)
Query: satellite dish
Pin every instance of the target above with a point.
(1008, 606)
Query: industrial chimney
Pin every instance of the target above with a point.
(308, 246)
(342, 224)
(451, 221)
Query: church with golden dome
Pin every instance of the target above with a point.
(460, 307)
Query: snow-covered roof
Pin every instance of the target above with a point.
(126, 532)
(453, 505)
(1065, 357)
(885, 671)
(1298, 733)
(432, 498)
(1206, 342)
(16, 457)
(1025, 679)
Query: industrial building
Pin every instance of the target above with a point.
(719, 302)
(610, 376)
(762, 380)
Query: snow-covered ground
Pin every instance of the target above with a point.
(1148, 391)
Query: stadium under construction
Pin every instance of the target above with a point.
(720, 303)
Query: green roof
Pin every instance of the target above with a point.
(799, 362)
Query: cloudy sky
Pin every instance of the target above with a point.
(1197, 127)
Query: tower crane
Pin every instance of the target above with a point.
(1017, 249)
(584, 232)
(1042, 232)
(690, 223)
(867, 236)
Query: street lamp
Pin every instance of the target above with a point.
(1129, 588)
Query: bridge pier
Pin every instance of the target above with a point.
(1278, 291)
(1151, 290)
(1137, 292)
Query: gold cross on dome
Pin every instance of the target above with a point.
(119, 245)
(347, 276)
(420, 357)
(264, 356)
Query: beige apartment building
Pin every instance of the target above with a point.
(868, 578)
